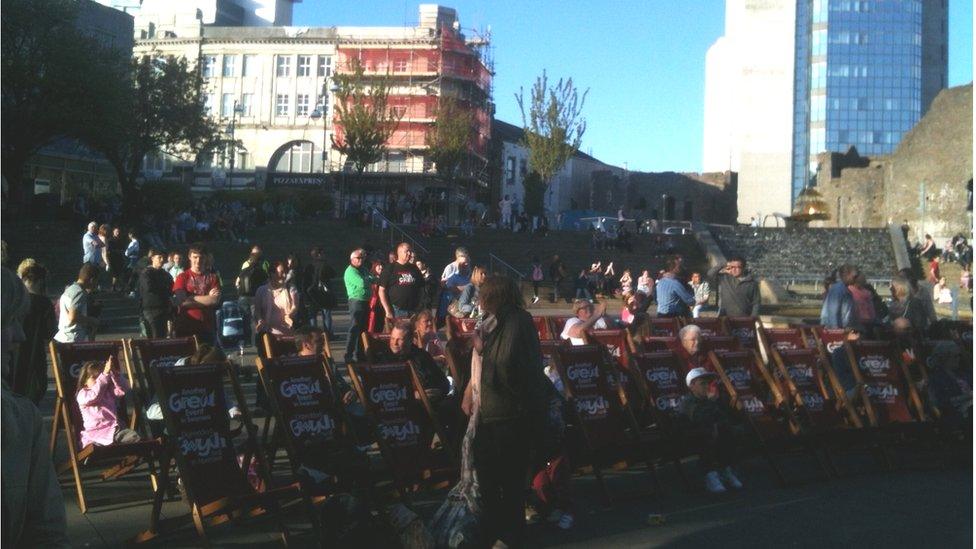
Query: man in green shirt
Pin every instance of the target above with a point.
(357, 281)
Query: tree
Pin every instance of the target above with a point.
(553, 127)
(363, 114)
(535, 193)
(154, 105)
(47, 64)
(449, 141)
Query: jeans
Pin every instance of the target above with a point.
(313, 315)
(358, 313)
(156, 324)
(583, 293)
(246, 304)
(401, 313)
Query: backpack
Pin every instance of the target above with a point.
(251, 278)
(537, 272)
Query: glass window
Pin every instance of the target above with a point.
(325, 66)
(247, 103)
(819, 42)
(227, 104)
(249, 67)
(209, 65)
(298, 158)
(304, 65)
(301, 104)
(283, 64)
(281, 104)
(208, 103)
(230, 65)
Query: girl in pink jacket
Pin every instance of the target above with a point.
(99, 388)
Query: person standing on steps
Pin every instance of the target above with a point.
(317, 286)
(197, 294)
(401, 285)
(156, 296)
(254, 274)
(357, 280)
(537, 277)
(557, 273)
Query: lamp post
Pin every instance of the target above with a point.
(322, 111)
(238, 109)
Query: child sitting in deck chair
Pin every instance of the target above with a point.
(99, 388)
(710, 418)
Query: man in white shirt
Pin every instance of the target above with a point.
(91, 246)
(505, 205)
(587, 316)
(461, 259)
(74, 322)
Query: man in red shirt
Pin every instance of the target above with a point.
(197, 294)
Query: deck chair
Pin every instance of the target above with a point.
(542, 326)
(744, 328)
(888, 396)
(215, 484)
(379, 341)
(611, 435)
(617, 344)
(810, 387)
(710, 326)
(654, 344)
(460, 326)
(556, 325)
(720, 343)
(316, 436)
(664, 327)
(457, 353)
(829, 339)
(753, 392)
(145, 354)
(274, 346)
(66, 360)
(405, 426)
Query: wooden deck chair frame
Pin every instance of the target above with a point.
(369, 339)
(457, 354)
(746, 329)
(313, 373)
(617, 343)
(246, 501)
(125, 457)
(653, 344)
(770, 338)
(720, 343)
(628, 451)
(787, 438)
(913, 401)
(542, 326)
(402, 489)
(664, 327)
(714, 324)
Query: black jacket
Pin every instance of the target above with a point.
(156, 291)
(316, 277)
(513, 384)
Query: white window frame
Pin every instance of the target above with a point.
(229, 66)
(209, 66)
(304, 65)
(247, 104)
(301, 104)
(227, 105)
(283, 66)
(249, 63)
(282, 104)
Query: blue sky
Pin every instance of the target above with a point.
(643, 61)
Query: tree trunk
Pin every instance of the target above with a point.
(13, 172)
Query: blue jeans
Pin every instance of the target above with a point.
(401, 313)
(313, 315)
(358, 314)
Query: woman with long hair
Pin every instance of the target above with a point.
(509, 391)
(468, 301)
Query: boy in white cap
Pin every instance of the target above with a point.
(710, 418)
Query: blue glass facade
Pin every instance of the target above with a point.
(859, 77)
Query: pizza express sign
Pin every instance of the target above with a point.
(306, 180)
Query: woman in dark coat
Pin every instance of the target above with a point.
(513, 401)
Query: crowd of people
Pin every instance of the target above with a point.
(518, 397)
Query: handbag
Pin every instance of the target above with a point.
(454, 309)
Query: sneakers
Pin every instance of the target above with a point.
(729, 478)
(565, 521)
(713, 484)
(535, 299)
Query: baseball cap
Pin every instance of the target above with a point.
(696, 373)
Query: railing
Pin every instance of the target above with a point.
(492, 259)
(804, 280)
(384, 223)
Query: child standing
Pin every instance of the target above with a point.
(99, 388)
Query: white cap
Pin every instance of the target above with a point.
(696, 373)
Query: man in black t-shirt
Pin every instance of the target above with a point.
(156, 293)
(401, 285)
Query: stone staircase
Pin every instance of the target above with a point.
(808, 254)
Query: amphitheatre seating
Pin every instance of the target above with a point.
(785, 254)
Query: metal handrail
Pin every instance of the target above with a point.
(392, 226)
(492, 258)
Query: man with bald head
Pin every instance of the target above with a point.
(357, 281)
(401, 285)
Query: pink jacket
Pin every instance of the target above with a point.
(98, 408)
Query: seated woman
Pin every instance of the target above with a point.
(426, 336)
(468, 302)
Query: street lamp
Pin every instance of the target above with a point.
(238, 109)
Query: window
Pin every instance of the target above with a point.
(283, 65)
(227, 105)
(399, 111)
(322, 101)
(247, 102)
(281, 105)
(208, 103)
(522, 169)
(400, 65)
(244, 160)
(510, 171)
(325, 66)
(249, 66)
(298, 158)
(209, 65)
(230, 65)
(301, 104)
(304, 65)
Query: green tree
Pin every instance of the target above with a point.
(154, 105)
(554, 127)
(535, 193)
(449, 141)
(363, 118)
(47, 64)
